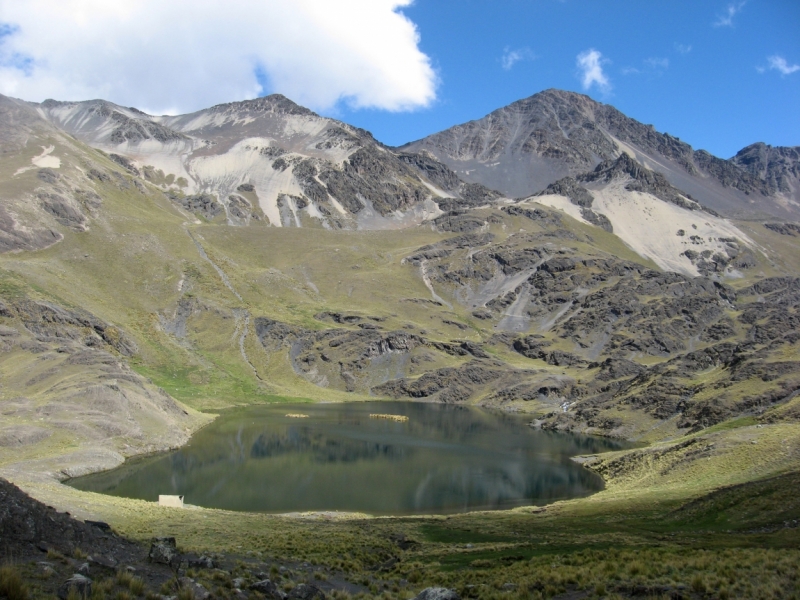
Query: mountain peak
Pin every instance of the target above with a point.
(274, 103)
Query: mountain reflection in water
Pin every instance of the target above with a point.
(443, 459)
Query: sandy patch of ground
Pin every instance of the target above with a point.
(45, 160)
(650, 227)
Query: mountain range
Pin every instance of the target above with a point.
(555, 258)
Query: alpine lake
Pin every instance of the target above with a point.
(424, 458)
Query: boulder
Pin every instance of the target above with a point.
(305, 591)
(437, 593)
(164, 550)
(80, 583)
(102, 561)
(198, 592)
(201, 562)
(268, 589)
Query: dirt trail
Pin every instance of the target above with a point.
(424, 270)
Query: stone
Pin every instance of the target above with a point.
(101, 525)
(437, 593)
(198, 591)
(103, 561)
(80, 583)
(306, 591)
(164, 550)
(201, 562)
(268, 589)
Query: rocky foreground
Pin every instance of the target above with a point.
(57, 555)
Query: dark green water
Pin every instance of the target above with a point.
(444, 459)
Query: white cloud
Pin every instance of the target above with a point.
(779, 63)
(511, 57)
(651, 64)
(726, 18)
(683, 48)
(591, 63)
(185, 55)
(657, 63)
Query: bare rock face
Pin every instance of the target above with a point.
(778, 167)
(375, 175)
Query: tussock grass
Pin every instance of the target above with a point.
(12, 586)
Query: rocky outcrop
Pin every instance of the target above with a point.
(642, 179)
(434, 171)
(457, 221)
(778, 167)
(377, 176)
(790, 229)
(204, 205)
(729, 174)
(448, 385)
(49, 322)
(14, 238)
(446, 247)
(64, 211)
(597, 219)
(125, 163)
(240, 208)
(571, 189)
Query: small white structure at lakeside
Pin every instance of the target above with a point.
(171, 501)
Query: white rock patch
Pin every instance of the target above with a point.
(650, 226)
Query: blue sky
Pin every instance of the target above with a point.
(719, 74)
(691, 68)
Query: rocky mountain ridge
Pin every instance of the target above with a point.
(295, 166)
(522, 148)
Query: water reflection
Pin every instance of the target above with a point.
(443, 459)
